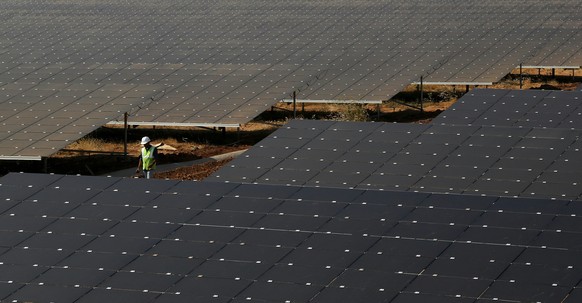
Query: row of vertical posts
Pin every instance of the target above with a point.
(539, 73)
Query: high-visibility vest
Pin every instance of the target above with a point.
(147, 158)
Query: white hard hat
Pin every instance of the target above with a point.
(145, 140)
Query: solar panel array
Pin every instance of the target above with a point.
(221, 94)
(222, 63)
(357, 49)
(95, 239)
(39, 120)
(482, 160)
(519, 108)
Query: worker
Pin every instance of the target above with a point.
(147, 157)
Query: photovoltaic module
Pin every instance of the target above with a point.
(95, 239)
(71, 66)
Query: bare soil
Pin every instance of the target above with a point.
(193, 172)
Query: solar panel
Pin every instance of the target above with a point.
(38, 125)
(505, 289)
(471, 159)
(283, 243)
(519, 108)
(233, 66)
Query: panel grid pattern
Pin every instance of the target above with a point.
(38, 121)
(517, 108)
(482, 160)
(224, 62)
(93, 239)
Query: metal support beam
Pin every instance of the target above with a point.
(455, 83)
(378, 111)
(553, 66)
(421, 94)
(294, 105)
(21, 158)
(520, 76)
(125, 127)
(334, 101)
(171, 124)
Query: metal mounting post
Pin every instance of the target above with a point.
(125, 127)
(521, 76)
(378, 111)
(45, 165)
(294, 105)
(421, 94)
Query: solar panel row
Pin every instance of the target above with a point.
(519, 108)
(225, 62)
(39, 121)
(89, 239)
(197, 88)
(481, 160)
(93, 239)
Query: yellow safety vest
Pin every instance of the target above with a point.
(147, 158)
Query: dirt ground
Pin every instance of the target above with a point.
(193, 172)
(103, 151)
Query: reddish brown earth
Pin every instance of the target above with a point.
(193, 172)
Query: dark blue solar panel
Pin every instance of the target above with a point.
(296, 244)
